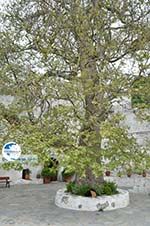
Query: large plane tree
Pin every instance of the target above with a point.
(64, 65)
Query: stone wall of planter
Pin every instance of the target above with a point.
(100, 203)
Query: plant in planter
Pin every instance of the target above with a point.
(38, 176)
(67, 175)
(119, 174)
(129, 172)
(141, 168)
(138, 171)
(48, 174)
(107, 188)
(144, 173)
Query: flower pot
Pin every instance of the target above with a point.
(119, 174)
(54, 178)
(48, 174)
(129, 174)
(67, 178)
(46, 180)
(38, 176)
(144, 173)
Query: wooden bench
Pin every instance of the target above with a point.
(6, 181)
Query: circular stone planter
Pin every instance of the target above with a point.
(100, 203)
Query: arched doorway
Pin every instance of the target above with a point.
(26, 174)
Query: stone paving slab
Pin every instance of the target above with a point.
(33, 205)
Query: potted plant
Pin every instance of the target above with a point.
(67, 175)
(144, 173)
(38, 175)
(138, 171)
(48, 174)
(119, 174)
(129, 172)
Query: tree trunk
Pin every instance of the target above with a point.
(90, 83)
(93, 97)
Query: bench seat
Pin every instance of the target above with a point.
(6, 181)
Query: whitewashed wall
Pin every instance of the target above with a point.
(17, 175)
(140, 129)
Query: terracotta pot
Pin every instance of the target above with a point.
(54, 178)
(119, 174)
(67, 178)
(38, 176)
(46, 180)
(144, 174)
(129, 174)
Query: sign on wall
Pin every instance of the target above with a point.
(11, 151)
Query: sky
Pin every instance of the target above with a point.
(3, 2)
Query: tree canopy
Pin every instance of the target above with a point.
(66, 63)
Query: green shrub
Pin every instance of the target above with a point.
(76, 189)
(68, 173)
(107, 188)
(70, 186)
(98, 189)
(48, 172)
(82, 190)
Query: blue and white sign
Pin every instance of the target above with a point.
(11, 151)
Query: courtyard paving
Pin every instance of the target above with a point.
(33, 205)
